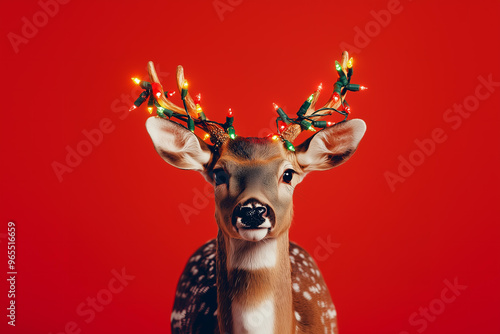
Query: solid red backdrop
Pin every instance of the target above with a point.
(408, 217)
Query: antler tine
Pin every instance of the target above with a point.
(162, 100)
(331, 102)
(190, 105)
(216, 131)
(293, 130)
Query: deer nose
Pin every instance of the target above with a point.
(251, 216)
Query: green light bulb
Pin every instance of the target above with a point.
(160, 112)
(337, 66)
(231, 133)
(289, 145)
(190, 124)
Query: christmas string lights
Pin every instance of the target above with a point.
(153, 92)
(340, 87)
(287, 127)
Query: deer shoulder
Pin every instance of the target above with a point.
(195, 309)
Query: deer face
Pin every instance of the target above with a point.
(254, 178)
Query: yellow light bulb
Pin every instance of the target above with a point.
(349, 63)
(275, 137)
(136, 80)
(206, 136)
(198, 109)
(185, 84)
(150, 109)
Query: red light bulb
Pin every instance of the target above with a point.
(335, 97)
(157, 89)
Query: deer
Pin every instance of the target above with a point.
(251, 278)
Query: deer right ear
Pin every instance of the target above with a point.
(331, 147)
(177, 145)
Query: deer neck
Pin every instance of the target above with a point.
(254, 286)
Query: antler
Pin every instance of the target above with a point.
(335, 101)
(216, 131)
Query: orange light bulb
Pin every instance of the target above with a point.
(350, 62)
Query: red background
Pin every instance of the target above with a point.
(119, 208)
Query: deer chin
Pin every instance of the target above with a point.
(253, 234)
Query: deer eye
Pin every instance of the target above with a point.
(288, 175)
(220, 176)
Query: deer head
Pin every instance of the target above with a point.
(254, 178)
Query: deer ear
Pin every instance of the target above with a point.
(330, 147)
(177, 145)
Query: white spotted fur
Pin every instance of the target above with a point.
(256, 320)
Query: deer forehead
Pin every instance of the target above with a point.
(255, 153)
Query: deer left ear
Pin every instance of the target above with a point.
(330, 147)
(177, 145)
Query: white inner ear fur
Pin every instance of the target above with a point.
(178, 146)
(340, 141)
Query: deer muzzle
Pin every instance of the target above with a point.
(253, 219)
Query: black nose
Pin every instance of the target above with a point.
(252, 217)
